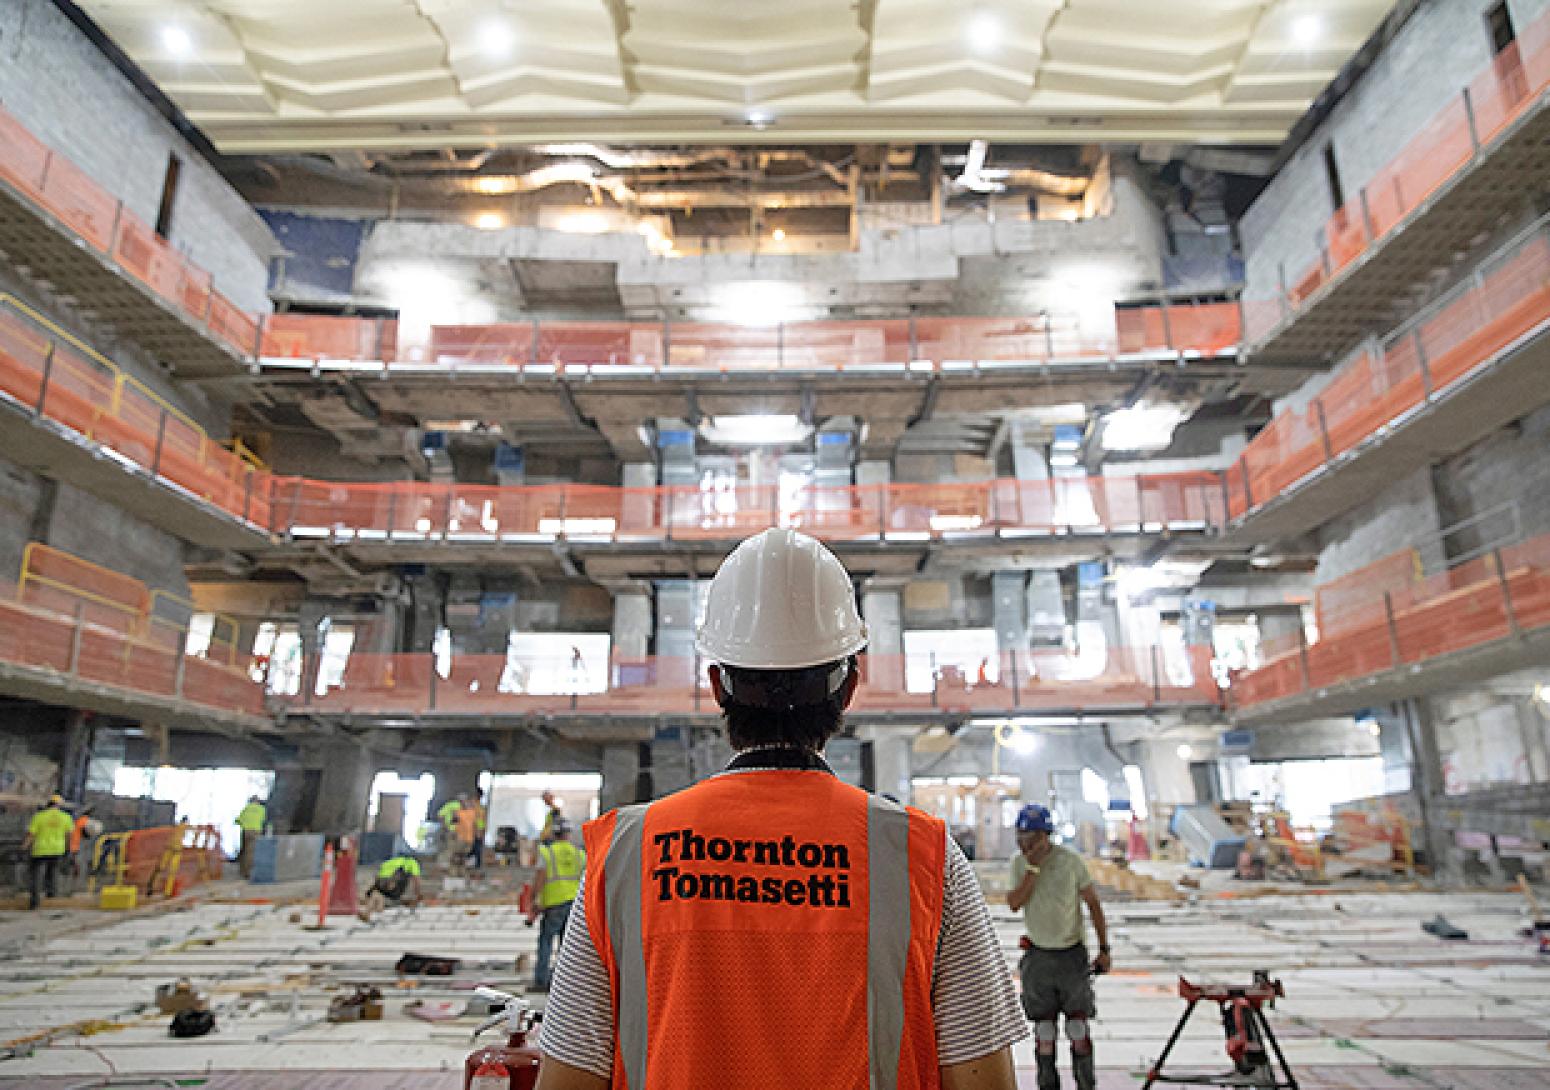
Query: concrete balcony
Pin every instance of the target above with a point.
(1461, 369)
(64, 231)
(1470, 166)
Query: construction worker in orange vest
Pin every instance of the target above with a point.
(772, 925)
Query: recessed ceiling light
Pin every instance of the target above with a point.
(496, 39)
(1306, 29)
(489, 221)
(177, 41)
(1184, 751)
(759, 119)
(984, 31)
(779, 234)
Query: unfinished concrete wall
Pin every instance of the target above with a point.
(1432, 58)
(1405, 515)
(1498, 485)
(67, 518)
(67, 93)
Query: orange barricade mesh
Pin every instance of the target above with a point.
(79, 202)
(568, 344)
(235, 326)
(150, 260)
(1472, 603)
(168, 858)
(314, 336)
(1496, 98)
(1510, 299)
(23, 157)
(1357, 598)
(66, 584)
(1141, 677)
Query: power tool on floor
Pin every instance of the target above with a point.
(514, 1065)
(1248, 1033)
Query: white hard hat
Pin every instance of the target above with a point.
(781, 601)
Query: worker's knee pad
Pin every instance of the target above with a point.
(1045, 1034)
(1080, 1033)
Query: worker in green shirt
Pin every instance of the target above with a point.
(48, 837)
(559, 878)
(447, 815)
(1049, 886)
(398, 883)
(251, 821)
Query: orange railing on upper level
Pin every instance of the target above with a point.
(1504, 593)
(51, 182)
(1509, 86)
(1507, 299)
(82, 651)
(1207, 329)
(901, 512)
(103, 224)
(1099, 677)
(54, 375)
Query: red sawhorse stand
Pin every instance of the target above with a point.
(1248, 1032)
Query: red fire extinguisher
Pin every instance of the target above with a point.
(512, 1066)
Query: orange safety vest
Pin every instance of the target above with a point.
(766, 930)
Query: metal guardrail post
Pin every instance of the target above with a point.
(1156, 677)
(446, 514)
(1016, 693)
(1501, 581)
(1329, 453)
(48, 372)
(177, 676)
(161, 434)
(1366, 215)
(247, 495)
(780, 344)
(1388, 614)
(1469, 116)
(430, 687)
(1248, 493)
(75, 641)
(1420, 356)
(1221, 475)
(1167, 322)
(392, 514)
(290, 526)
(1285, 296)
(1302, 655)
(1141, 507)
(914, 341)
(667, 342)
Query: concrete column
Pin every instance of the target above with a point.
(891, 762)
(77, 754)
(621, 777)
(326, 792)
(1426, 781)
(632, 624)
(638, 510)
(883, 611)
(871, 478)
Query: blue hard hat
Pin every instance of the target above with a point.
(1034, 818)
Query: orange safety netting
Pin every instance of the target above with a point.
(63, 583)
(1494, 99)
(1096, 677)
(1356, 599)
(163, 859)
(1503, 594)
(1450, 340)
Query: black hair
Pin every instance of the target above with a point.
(784, 707)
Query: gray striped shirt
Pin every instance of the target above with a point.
(973, 1000)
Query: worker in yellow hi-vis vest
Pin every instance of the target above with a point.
(560, 864)
(48, 835)
(250, 820)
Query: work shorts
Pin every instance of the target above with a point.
(1057, 982)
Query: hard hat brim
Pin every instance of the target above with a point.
(792, 656)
